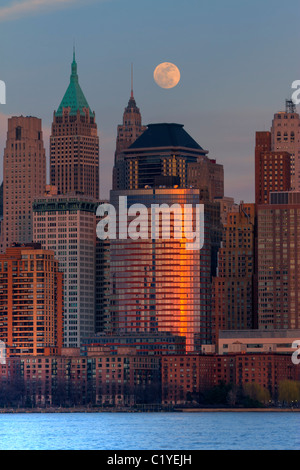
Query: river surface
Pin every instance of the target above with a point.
(151, 431)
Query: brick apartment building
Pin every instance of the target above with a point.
(184, 377)
(99, 378)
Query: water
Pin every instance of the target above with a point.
(150, 431)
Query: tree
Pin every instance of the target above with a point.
(60, 392)
(217, 395)
(289, 391)
(232, 396)
(256, 392)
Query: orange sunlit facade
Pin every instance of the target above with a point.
(31, 301)
(157, 284)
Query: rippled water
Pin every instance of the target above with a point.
(150, 431)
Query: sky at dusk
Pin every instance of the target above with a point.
(237, 62)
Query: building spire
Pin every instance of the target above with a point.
(74, 97)
(131, 81)
(74, 65)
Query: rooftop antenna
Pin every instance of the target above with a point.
(131, 80)
(74, 65)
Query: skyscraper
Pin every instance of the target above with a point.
(208, 175)
(227, 205)
(159, 285)
(285, 134)
(272, 168)
(74, 143)
(67, 225)
(102, 311)
(159, 157)
(278, 262)
(233, 288)
(24, 177)
(132, 127)
(31, 301)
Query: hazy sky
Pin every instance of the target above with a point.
(237, 60)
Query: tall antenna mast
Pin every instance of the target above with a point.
(131, 80)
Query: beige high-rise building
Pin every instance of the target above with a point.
(131, 128)
(207, 175)
(128, 132)
(227, 205)
(24, 178)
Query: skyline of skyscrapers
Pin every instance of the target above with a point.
(154, 286)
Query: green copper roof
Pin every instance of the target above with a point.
(74, 97)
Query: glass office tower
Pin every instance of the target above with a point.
(158, 284)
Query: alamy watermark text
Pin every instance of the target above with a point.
(2, 92)
(140, 222)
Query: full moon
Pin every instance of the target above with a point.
(166, 75)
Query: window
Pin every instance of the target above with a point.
(18, 133)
